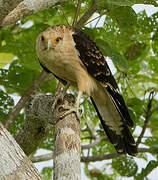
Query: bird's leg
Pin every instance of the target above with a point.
(78, 103)
(59, 93)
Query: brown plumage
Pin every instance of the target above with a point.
(73, 57)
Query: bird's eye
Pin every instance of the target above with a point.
(42, 38)
(58, 39)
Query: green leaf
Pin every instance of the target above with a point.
(47, 173)
(136, 105)
(125, 17)
(118, 59)
(5, 58)
(145, 171)
(146, 24)
(122, 2)
(155, 148)
(125, 166)
(6, 105)
(151, 141)
(17, 78)
(102, 148)
(153, 64)
(137, 50)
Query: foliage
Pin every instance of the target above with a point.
(125, 166)
(130, 40)
(47, 173)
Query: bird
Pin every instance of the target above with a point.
(73, 57)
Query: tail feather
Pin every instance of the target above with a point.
(123, 142)
(120, 105)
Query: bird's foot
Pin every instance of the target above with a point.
(69, 110)
(59, 95)
(66, 109)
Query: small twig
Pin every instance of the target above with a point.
(90, 130)
(147, 118)
(94, 19)
(26, 96)
(62, 13)
(41, 158)
(88, 137)
(76, 13)
(87, 15)
(99, 157)
(97, 141)
(97, 22)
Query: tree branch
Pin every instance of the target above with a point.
(26, 96)
(39, 115)
(147, 118)
(67, 150)
(14, 163)
(87, 15)
(36, 125)
(97, 141)
(6, 7)
(28, 7)
(41, 158)
(76, 13)
(49, 156)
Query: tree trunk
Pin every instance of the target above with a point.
(14, 164)
(67, 143)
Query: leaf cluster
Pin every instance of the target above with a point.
(130, 40)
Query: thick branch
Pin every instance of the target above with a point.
(66, 141)
(36, 126)
(28, 7)
(39, 115)
(25, 98)
(14, 164)
(6, 6)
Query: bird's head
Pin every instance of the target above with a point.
(49, 39)
(53, 41)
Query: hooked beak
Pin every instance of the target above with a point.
(50, 44)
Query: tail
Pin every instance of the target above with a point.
(114, 124)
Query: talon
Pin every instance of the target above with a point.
(70, 110)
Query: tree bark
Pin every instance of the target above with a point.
(36, 125)
(67, 143)
(66, 134)
(7, 6)
(14, 164)
(26, 8)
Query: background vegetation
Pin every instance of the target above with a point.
(130, 40)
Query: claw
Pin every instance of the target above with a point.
(69, 111)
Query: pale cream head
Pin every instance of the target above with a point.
(53, 37)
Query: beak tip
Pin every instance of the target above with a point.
(50, 44)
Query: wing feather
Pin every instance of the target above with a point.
(96, 65)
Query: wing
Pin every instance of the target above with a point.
(97, 67)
